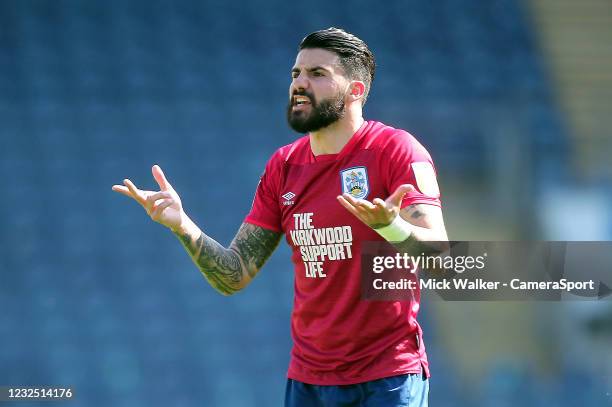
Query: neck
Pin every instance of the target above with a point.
(331, 139)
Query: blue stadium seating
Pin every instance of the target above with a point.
(92, 294)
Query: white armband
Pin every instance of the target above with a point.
(397, 231)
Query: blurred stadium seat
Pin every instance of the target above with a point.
(93, 295)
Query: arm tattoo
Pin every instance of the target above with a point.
(417, 214)
(226, 269)
(429, 236)
(412, 211)
(412, 245)
(255, 245)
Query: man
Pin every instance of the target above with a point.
(324, 193)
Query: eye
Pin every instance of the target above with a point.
(317, 73)
(294, 74)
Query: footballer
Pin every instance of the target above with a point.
(346, 181)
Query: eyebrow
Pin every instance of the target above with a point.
(316, 68)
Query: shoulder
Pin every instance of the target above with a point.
(391, 140)
(291, 152)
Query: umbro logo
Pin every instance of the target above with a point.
(288, 197)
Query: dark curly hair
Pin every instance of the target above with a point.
(355, 57)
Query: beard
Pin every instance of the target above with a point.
(321, 115)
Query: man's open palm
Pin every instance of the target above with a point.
(163, 206)
(377, 213)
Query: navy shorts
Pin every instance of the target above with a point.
(408, 390)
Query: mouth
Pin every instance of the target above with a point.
(300, 102)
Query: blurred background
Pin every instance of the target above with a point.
(512, 99)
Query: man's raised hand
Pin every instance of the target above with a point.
(377, 213)
(163, 206)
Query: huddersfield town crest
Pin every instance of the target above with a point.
(355, 182)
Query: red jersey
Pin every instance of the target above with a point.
(338, 337)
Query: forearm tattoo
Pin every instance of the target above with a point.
(255, 245)
(412, 245)
(226, 268)
(414, 211)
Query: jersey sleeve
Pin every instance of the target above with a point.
(406, 161)
(265, 210)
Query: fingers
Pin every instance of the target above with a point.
(359, 203)
(146, 198)
(122, 190)
(161, 179)
(377, 212)
(349, 206)
(153, 197)
(365, 205)
(379, 203)
(159, 209)
(157, 196)
(383, 208)
(396, 197)
(361, 208)
(134, 192)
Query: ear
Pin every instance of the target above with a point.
(356, 90)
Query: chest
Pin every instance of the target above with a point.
(309, 191)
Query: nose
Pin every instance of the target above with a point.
(300, 82)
